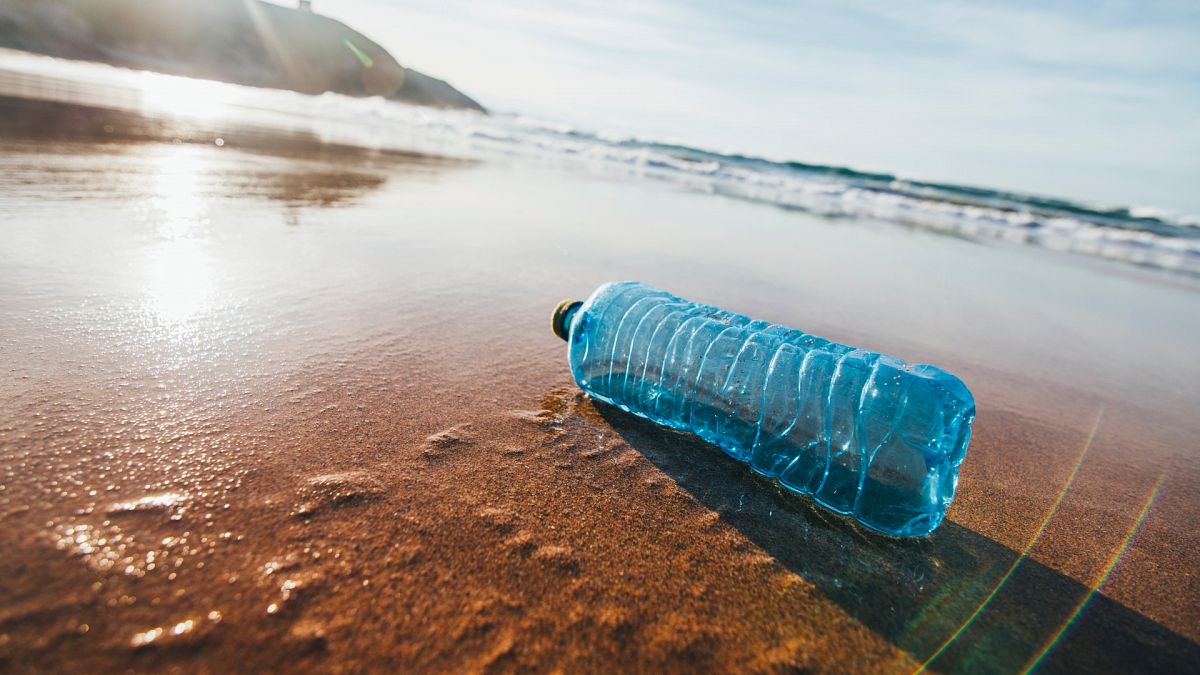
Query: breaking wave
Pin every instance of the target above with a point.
(1139, 235)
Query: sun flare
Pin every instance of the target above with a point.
(184, 97)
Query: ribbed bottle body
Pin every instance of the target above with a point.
(863, 434)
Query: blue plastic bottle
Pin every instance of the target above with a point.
(864, 434)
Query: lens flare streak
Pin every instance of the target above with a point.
(1100, 580)
(362, 57)
(1024, 552)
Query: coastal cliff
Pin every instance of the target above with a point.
(246, 42)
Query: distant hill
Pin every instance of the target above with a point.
(241, 41)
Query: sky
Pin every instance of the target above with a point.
(1098, 101)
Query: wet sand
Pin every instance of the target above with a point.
(268, 406)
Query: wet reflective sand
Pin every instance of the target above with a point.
(270, 405)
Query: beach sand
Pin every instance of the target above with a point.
(275, 405)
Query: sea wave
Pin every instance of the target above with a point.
(1142, 235)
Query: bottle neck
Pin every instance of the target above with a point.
(560, 321)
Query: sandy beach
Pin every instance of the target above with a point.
(279, 404)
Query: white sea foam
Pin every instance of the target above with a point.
(376, 123)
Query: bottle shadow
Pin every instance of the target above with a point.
(920, 593)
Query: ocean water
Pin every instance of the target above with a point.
(1138, 235)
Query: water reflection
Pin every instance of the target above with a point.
(178, 277)
(178, 282)
(176, 201)
(171, 169)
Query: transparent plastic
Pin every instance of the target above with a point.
(863, 434)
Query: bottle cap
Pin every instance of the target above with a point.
(562, 313)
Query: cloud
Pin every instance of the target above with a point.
(1094, 100)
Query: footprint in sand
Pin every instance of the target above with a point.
(522, 542)
(542, 418)
(627, 460)
(186, 633)
(436, 445)
(161, 503)
(513, 451)
(336, 490)
(307, 636)
(561, 559)
(501, 520)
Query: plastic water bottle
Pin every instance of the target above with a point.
(863, 434)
